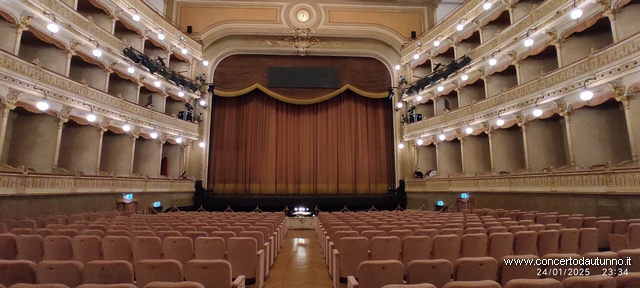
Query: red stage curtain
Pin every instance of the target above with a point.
(260, 145)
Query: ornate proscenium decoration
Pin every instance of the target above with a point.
(301, 41)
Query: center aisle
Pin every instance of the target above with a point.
(300, 263)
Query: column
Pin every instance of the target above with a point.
(107, 73)
(133, 138)
(461, 138)
(101, 131)
(70, 54)
(567, 124)
(161, 143)
(518, 73)
(558, 52)
(523, 127)
(493, 170)
(56, 155)
(436, 143)
(611, 14)
(627, 114)
(3, 125)
(16, 45)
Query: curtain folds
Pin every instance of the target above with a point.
(261, 145)
(239, 74)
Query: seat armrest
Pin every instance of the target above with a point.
(352, 282)
(335, 258)
(239, 282)
(260, 269)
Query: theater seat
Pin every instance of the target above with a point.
(185, 284)
(377, 273)
(473, 284)
(533, 283)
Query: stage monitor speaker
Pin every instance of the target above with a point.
(189, 29)
(200, 191)
(413, 35)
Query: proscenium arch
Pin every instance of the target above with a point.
(379, 51)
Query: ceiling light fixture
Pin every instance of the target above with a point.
(202, 144)
(460, 26)
(400, 145)
(464, 77)
(131, 70)
(160, 35)
(178, 140)
(440, 88)
(486, 5)
(419, 142)
(42, 105)
(469, 130)
(416, 56)
(91, 117)
(442, 137)
(153, 135)
(419, 98)
(397, 67)
(205, 62)
(126, 127)
(157, 83)
(586, 94)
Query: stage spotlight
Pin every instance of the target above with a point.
(133, 54)
(391, 93)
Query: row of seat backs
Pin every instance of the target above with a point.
(211, 273)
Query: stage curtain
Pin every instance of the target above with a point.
(240, 74)
(260, 145)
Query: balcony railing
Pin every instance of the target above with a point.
(48, 184)
(16, 71)
(621, 57)
(611, 181)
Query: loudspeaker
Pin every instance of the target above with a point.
(189, 29)
(413, 35)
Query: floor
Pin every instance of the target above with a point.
(299, 263)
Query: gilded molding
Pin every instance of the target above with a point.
(168, 28)
(67, 91)
(549, 85)
(30, 184)
(74, 19)
(616, 180)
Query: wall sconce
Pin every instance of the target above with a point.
(437, 41)
(528, 41)
(397, 67)
(499, 122)
(442, 137)
(135, 16)
(493, 61)
(576, 13)
(586, 94)
(160, 34)
(205, 62)
(460, 26)
(537, 112)
(486, 5)
(53, 26)
(42, 105)
(96, 51)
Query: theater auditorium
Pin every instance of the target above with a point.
(319, 144)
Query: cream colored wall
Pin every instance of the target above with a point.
(634, 115)
(452, 97)
(530, 68)
(158, 100)
(172, 107)
(180, 66)
(579, 45)
(470, 93)
(425, 109)
(33, 206)
(153, 51)
(32, 141)
(616, 206)
(477, 158)
(71, 3)
(600, 135)
(546, 143)
(172, 152)
(79, 148)
(147, 157)
(196, 158)
(627, 20)
(508, 149)
(449, 158)
(7, 138)
(8, 30)
(101, 20)
(132, 38)
(499, 81)
(521, 9)
(427, 159)
(406, 160)
(127, 89)
(93, 75)
(50, 56)
(117, 151)
(464, 47)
